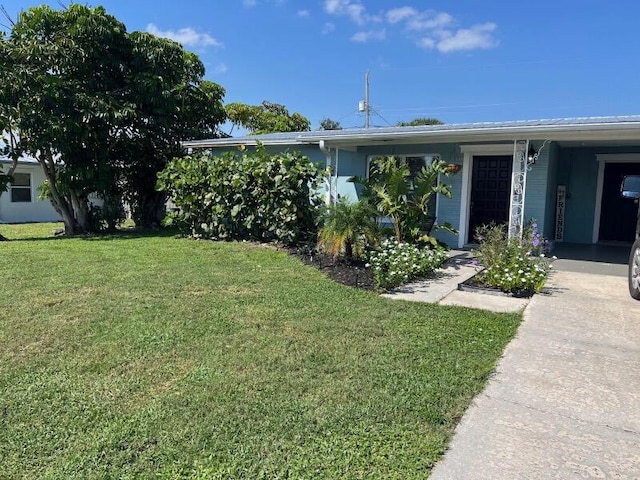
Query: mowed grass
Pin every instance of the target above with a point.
(150, 356)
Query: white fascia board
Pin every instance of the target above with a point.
(595, 131)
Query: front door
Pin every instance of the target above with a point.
(490, 191)
(618, 215)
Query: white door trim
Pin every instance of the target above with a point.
(603, 159)
(469, 152)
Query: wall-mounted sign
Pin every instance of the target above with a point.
(561, 199)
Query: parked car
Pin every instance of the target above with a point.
(631, 189)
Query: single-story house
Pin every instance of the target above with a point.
(20, 203)
(565, 173)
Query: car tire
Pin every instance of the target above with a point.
(634, 270)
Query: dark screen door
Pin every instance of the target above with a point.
(617, 215)
(490, 191)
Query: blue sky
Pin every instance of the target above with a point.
(463, 61)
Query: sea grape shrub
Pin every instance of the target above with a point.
(245, 196)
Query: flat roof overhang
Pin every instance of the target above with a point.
(606, 132)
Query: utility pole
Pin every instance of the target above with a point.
(367, 108)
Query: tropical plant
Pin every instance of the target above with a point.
(405, 199)
(349, 228)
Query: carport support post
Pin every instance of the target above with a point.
(518, 187)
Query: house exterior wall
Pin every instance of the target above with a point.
(578, 170)
(537, 187)
(34, 211)
(548, 228)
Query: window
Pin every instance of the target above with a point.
(21, 187)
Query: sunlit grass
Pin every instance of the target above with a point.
(154, 356)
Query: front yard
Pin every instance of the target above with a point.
(138, 355)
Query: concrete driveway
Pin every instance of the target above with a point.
(565, 400)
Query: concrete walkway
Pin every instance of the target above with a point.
(443, 288)
(564, 402)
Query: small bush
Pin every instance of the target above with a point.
(512, 264)
(349, 228)
(253, 196)
(397, 263)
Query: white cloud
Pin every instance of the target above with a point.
(187, 36)
(429, 21)
(476, 37)
(353, 9)
(328, 28)
(249, 3)
(364, 37)
(304, 13)
(399, 14)
(427, 43)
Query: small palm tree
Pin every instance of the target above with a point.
(349, 228)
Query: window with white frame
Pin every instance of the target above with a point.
(21, 188)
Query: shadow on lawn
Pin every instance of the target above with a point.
(124, 234)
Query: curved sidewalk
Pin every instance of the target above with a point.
(564, 402)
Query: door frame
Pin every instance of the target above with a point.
(469, 151)
(603, 159)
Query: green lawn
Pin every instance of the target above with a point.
(152, 356)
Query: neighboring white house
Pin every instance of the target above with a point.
(20, 202)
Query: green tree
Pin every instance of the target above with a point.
(421, 121)
(328, 124)
(266, 118)
(69, 83)
(100, 109)
(171, 102)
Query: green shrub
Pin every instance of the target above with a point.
(397, 263)
(252, 196)
(512, 264)
(349, 228)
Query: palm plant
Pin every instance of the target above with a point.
(349, 228)
(404, 199)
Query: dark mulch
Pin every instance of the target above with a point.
(351, 272)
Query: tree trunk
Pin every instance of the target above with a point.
(150, 209)
(62, 206)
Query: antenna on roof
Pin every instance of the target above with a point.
(364, 105)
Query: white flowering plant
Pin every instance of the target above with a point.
(395, 263)
(512, 264)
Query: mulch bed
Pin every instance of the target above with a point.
(351, 272)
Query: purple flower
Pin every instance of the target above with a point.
(536, 242)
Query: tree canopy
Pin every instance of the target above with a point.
(102, 110)
(329, 124)
(267, 117)
(421, 121)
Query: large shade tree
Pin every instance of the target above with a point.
(171, 102)
(100, 109)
